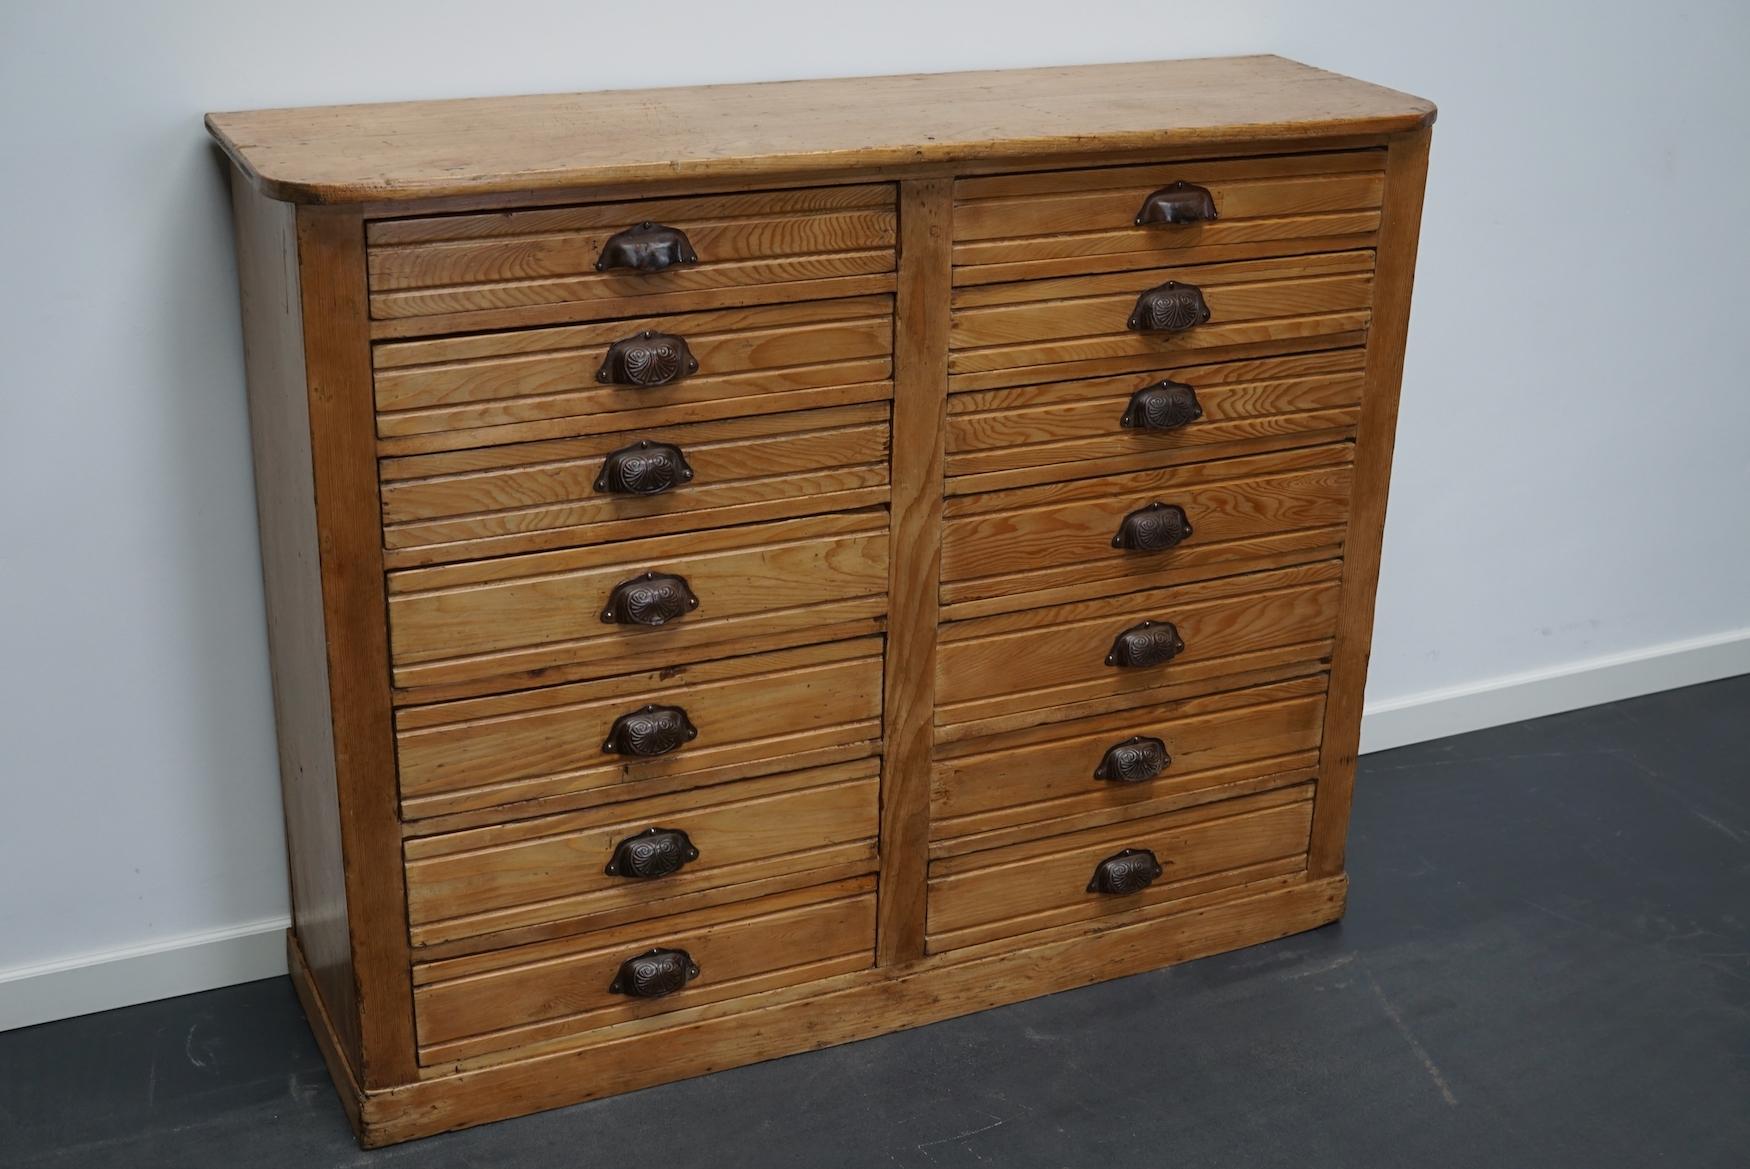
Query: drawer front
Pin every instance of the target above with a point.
(799, 579)
(459, 392)
(1086, 318)
(1058, 222)
(1112, 766)
(1023, 887)
(1050, 657)
(593, 741)
(1122, 532)
(555, 868)
(582, 255)
(495, 500)
(470, 1006)
(1086, 426)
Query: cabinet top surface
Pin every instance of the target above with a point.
(482, 146)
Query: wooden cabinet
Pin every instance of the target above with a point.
(755, 567)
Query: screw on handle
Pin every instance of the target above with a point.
(1129, 871)
(647, 360)
(644, 468)
(1150, 643)
(650, 731)
(1177, 203)
(1166, 405)
(1136, 760)
(1169, 308)
(654, 852)
(653, 974)
(1154, 528)
(648, 247)
(650, 599)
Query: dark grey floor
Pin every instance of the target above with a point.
(1546, 963)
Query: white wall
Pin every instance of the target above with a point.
(1572, 472)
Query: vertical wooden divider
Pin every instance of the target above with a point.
(337, 358)
(1406, 172)
(920, 396)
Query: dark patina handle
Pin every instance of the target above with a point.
(1129, 871)
(644, 468)
(1152, 643)
(650, 731)
(1179, 202)
(655, 598)
(1135, 760)
(1154, 528)
(1169, 308)
(647, 359)
(649, 247)
(1166, 405)
(654, 852)
(654, 974)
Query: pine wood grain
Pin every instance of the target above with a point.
(412, 150)
(552, 868)
(921, 352)
(337, 370)
(525, 496)
(1406, 175)
(551, 744)
(1046, 657)
(297, 633)
(771, 355)
(998, 782)
(1023, 887)
(568, 991)
(1020, 539)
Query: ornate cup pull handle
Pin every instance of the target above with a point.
(1154, 528)
(1179, 202)
(1169, 308)
(1136, 760)
(646, 360)
(654, 852)
(655, 973)
(1129, 871)
(1152, 643)
(650, 731)
(1166, 405)
(649, 247)
(644, 468)
(655, 598)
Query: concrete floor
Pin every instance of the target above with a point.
(1546, 963)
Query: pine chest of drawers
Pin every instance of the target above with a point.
(754, 567)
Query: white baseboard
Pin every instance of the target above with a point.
(160, 969)
(1510, 698)
(193, 962)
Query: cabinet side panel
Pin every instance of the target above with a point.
(337, 361)
(285, 499)
(1394, 273)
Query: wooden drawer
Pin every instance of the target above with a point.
(1027, 434)
(1044, 882)
(772, 244)
(1040, 658)
(490, 501)
(490, 1002)
(749, 714)
(790, 581)
(1009, 227)
(1083, 319)
(1061, 536)
(987, 791)
(457, 392)
(553, 868)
